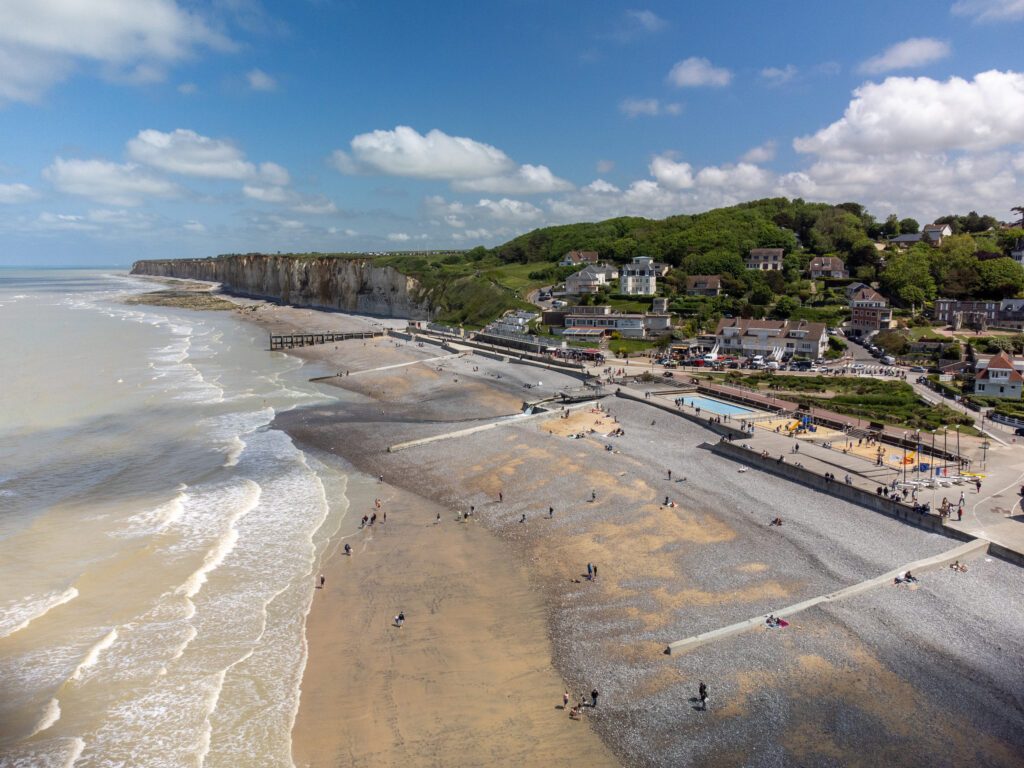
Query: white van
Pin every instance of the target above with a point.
(772, 365)
(757, 361)
(888, 360)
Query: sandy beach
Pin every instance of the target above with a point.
(501, 614)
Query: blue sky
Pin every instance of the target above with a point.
(165, 128)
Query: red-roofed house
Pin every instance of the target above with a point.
(827, 266)
(576, 258)
(999, 379)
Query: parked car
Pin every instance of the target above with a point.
(918, 369)
(1019, 431)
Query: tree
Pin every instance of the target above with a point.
(893, 342)
(785, 307)
(762, 294)
(908, 276)
(891, 228)
(1001, 278)
(909, 226)
(1019, 209)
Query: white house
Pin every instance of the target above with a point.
(771, 338)
(999, 379)
(590, 279)
(765, 259)
(639, 277)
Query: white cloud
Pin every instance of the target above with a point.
(17, 193)
(510, 210)
(636, 107)
(63, 222)
(671, 174)
(260, 80)
(646, 20)
(923, 115)
(193, 226)
(316, 205)
(600, 185)
(399, 237)
(405, 152)
(741, 178)
(779, 75)
(526, 180)
(112, 183)
(696, 71)
(760, 154)
(915, 52)
(187, 153)
(989, 10)
(266, 194)
(42, 41)
(272, 173)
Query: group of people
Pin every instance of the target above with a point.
(576, 712)
(958, 567)
(776, 521)
(906, 578)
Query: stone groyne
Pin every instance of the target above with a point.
(321, 282)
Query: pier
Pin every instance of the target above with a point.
(291, 340)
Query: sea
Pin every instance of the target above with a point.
(159, 541)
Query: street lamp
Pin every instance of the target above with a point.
(904, 457)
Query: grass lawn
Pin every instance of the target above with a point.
(515, 277)
(926, 333)
(627, 306)
(631, 346)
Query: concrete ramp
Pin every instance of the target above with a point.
(964, 552)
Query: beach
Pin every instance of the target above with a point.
(834, 688)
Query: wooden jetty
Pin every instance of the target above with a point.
(291, 340)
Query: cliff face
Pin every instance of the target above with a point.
(350, 285)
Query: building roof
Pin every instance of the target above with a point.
(785, 328)
(910, 237)
(866, 294)
(707, 282)
(765, 253)
(827, 264)
(578, 257)
(1001, 361)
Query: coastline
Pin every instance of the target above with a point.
(666, 573)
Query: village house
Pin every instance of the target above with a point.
(639, 277)
(704, 285)
(576, 258)
(590, 279)
(776, 339)
(598, 321)
(822, 267)
(959, 313)
(933, 234)
(765, 259)
(869, 312)
(999, 378)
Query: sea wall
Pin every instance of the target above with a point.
(322, 282)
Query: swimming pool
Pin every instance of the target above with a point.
(716, 406)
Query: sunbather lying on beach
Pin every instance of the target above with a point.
(776, 521)
(958, 567)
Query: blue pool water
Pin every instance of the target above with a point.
(716, 406)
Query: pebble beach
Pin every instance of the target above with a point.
(850, 683)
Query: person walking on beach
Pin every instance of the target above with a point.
(595, 573)
(670, 474)
(523, 518)
(960, 512)
(702, 693)
(593, 698)
(565, 700)
(322, 580)
(380, 478)
(438, 520)
(977, 484)
(593, 495)
(348, 549)
(551, 512)
(590, 570)
(962, 500)
(400, 619)
(501, 497)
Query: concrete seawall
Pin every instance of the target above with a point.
(963, 553)
(840, 490)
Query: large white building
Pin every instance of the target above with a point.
(639, 277)
(771, 338)
(590, 279)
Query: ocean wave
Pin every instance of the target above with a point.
(51, 753)
(50, 716)
(15, 617)
(157, 519)
(94, 654)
